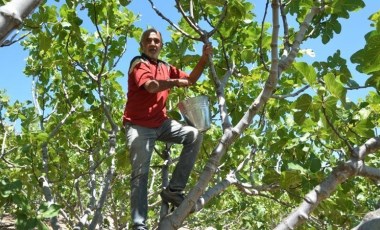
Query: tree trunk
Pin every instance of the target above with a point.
(12, 15)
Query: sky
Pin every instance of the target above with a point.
(351, 39)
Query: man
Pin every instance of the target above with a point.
(145, 121)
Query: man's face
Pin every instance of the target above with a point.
(151, 45)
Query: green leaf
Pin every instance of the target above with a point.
(374, 81)
(42, 136)
(369, 57)
(216, 2)
(331, 106)
(307, 71)
(336, 26)
(48, 211)
(365, 127)
(23, 222)
(315, 163)
(8, 188)
(237, 10)
(122, 159)
(271, 177)
(63, 11)
(125, 2)
(290, 179)
(42, 226)
(335, 87)
(302, 106)
(293, 166)
(45, 42)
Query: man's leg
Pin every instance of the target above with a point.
(191, 138)
(140, 141)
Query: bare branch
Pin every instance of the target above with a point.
(13, 14)
(74, 61)
(261, 38)
(370, 146)
(35, 100)
(292, 94)
(92, 182)
(315, 196)
(286, 60)
(170, 22)
(339, 175)
(96, 24)
(219, 23)
(107, 182)
(369, 172)
(46, 190)
(3, 146)
(335, 130)
(12, 41)
(117, 60)
(189, 20)
(286, 27)
(370, 221)
(104, 59)
(192, 9)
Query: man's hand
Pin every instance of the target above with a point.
(198, 69)
(184, 82)
(207, 49)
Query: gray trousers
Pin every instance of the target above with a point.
(141, 141)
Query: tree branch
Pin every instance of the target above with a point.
(335, 130)
(298, 92)
(170, 22)
(340, 174)
(189, 20)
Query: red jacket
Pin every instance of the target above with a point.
(144, 108)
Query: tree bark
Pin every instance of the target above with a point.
(355, 166)
(371, 221)
(13, 14)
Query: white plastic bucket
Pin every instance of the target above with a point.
(196, 112)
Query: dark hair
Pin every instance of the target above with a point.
(147, 32)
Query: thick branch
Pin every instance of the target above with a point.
(107, 182)
(370, 221)
(370, 146)
(12, 15)
(288, 60)
(323, 191)
(317, 195)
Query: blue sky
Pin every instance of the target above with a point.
(351, 39)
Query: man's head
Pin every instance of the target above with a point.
(151, 43)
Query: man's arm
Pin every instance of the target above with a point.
(197, 71)
(154, 86)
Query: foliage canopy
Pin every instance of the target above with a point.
(282, 128)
